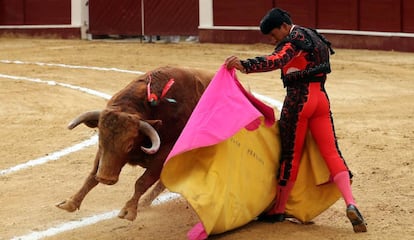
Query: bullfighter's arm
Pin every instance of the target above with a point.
(282, 55)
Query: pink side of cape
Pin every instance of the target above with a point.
(224, 109)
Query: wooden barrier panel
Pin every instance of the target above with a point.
(380, 15)
(43, 12)
(121, 17)
(407, 16)
(181, 17)
(337, 14)
(35, 12)
(171, 17)
(302, 12)
(11, 12)
(161, 17)
(240, 13)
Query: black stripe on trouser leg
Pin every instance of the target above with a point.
(292, 106)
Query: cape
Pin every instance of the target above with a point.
(226, 159)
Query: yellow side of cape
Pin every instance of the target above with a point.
(231, 183)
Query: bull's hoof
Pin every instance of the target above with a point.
(128, 214)
(68, 205)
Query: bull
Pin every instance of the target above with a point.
(139, 126)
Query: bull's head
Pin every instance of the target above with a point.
(119, 133)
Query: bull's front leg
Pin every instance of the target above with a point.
(73, 203)
(150, 176)
(150, 196)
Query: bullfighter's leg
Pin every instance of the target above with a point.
(150, 176)
(149, 197)
(73, 203)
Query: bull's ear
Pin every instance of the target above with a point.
(155, 123)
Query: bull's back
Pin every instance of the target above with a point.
(203, 76)
(189, 85)
(199, 77)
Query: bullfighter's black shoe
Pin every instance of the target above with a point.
(356, 219)
(280, 217)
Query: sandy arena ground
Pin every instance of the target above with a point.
(372, 97)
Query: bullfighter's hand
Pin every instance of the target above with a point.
(234, 62)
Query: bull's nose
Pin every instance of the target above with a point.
(106, 181)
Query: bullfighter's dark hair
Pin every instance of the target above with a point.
(274, 19)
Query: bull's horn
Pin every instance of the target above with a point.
(90, 119)
(148, 130)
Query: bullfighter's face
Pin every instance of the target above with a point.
(278, 34)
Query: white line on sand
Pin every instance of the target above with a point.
(55, 155)
(54, 83)
(70, 66)
(67, 226)
(52, 157)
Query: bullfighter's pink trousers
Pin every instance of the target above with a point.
(307, 107)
